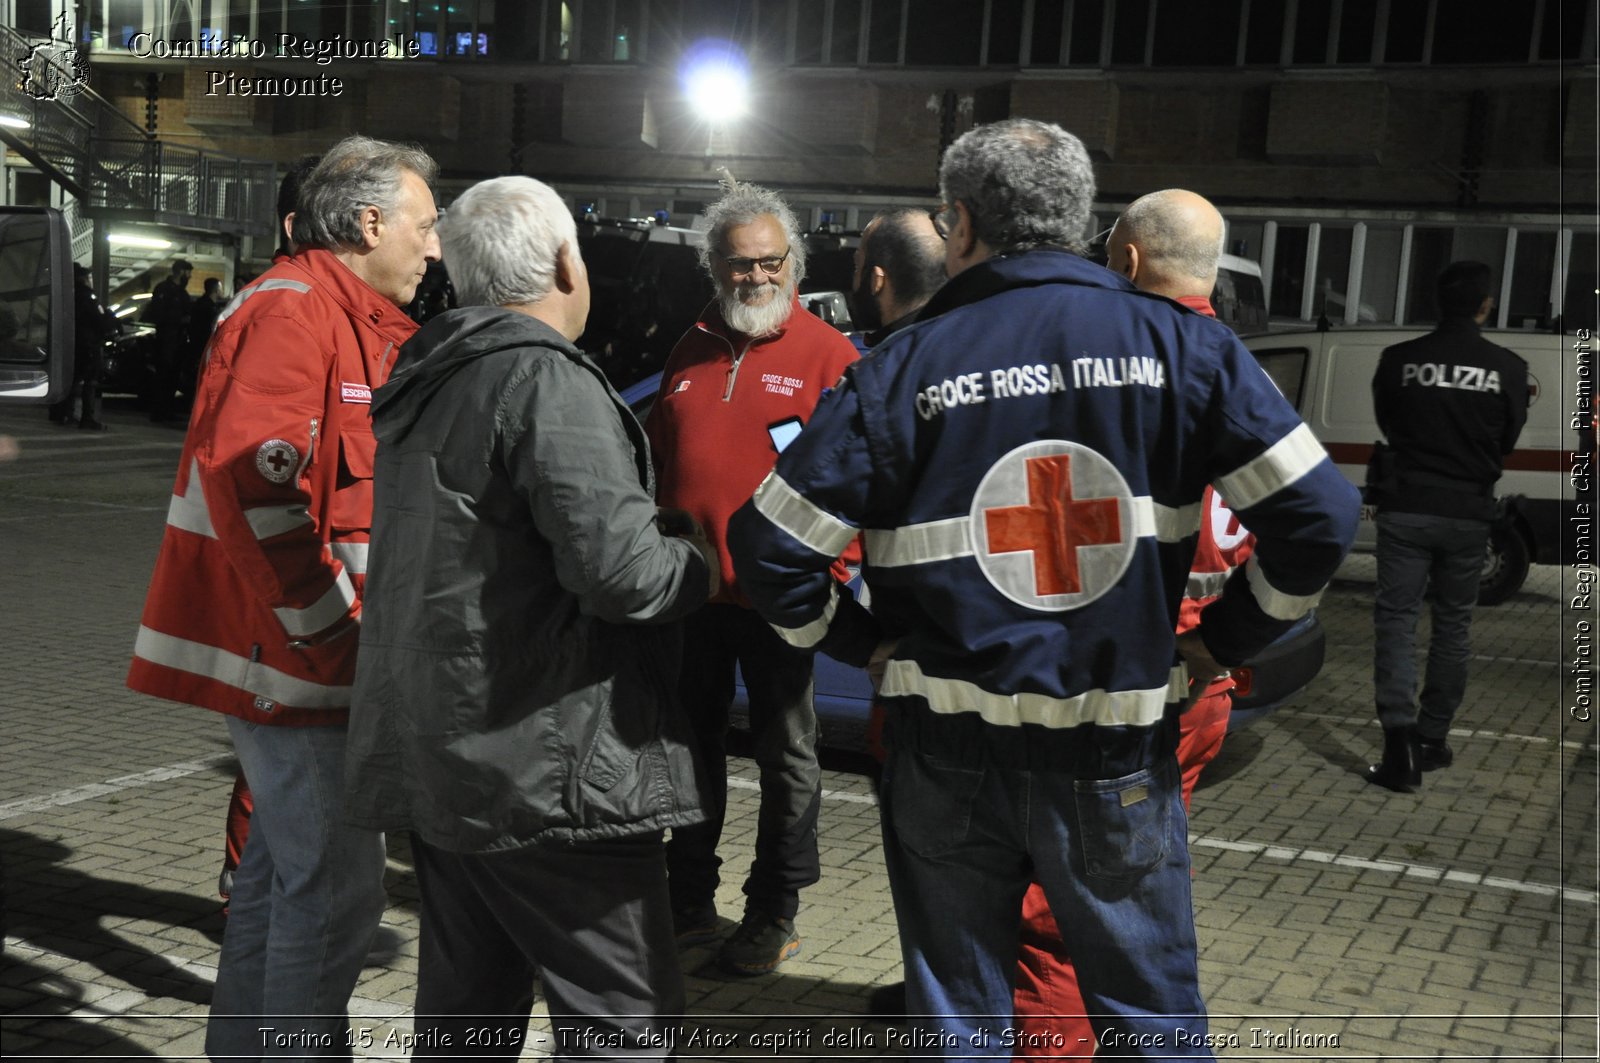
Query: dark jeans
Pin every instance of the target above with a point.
(589, 919)
(1438, 559)
(783, 724)
(964, 838)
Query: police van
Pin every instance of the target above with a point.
(1328, 377)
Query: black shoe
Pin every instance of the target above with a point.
(888, 1001)
(759, 945)
(1431, 754)
(696, 925)
(1398, 770)
(92, 426)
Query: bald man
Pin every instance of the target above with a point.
(1166, 243)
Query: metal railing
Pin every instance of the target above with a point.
(86, 144)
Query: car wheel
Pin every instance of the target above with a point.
(1505, 565)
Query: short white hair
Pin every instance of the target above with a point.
(501, 238)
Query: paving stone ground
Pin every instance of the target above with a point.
(1336, 921)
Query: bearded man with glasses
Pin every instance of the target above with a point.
(738, 386)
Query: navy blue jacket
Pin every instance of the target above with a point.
(1027, 464)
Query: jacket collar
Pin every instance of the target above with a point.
(1044, 265)
(358, 298)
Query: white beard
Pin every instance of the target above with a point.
(758, 319)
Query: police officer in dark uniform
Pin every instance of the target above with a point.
(1451, 405)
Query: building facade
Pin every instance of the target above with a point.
(1354, 145)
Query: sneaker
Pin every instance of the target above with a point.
(759, 945)
(696, 925)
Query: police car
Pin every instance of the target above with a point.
(844, 696)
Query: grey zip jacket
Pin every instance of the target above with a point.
(517, 674)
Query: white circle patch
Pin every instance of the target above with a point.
(276, 459)
(1053, 525)
(1226, 531)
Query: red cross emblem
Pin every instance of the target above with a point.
(276, 460)
(1053, 525)
(1052, 522)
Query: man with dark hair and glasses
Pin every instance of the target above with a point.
(736, 389)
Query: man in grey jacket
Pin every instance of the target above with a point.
(514, 705)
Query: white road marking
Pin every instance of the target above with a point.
(1425, 871)
(27, 805)
(88, 792)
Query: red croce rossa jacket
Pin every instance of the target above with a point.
(253, 606)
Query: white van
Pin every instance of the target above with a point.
(1328, 376)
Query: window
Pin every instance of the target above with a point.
(1582, 281)
(846, 40)
(627, 25)
(1461, 35)
(770, 35)
(1561, 35)
(1430, 253)
(594, 32)
(1129, 31)
(1005, 32)
(1289, 270)
(558, 31)
(1356, 22)
(1332, 273)
(944, 33)
(1529, 304)
(1088, 23)
(1287, 368)
(1048, 21)
(1263, 36)
(1311, 31)
(808, 35)
(1408, 29)
(1380, 275)
(1189, 34)
(883, 31)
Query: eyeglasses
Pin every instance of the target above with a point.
(940, 225)
(743, 267)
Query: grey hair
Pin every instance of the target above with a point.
(1025, 184)
(356, 173)
(501, 239)
(740, 205)
(1167, 239)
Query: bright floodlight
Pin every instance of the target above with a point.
(716, 80)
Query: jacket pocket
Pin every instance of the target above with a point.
(352, 495)
(628, 718)
(1123, 823)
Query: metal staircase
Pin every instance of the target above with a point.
(114, 171)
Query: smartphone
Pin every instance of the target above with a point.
(783, 432)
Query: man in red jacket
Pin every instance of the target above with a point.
(255, 600)
(737, 388)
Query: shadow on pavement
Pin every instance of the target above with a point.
(60, 909)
